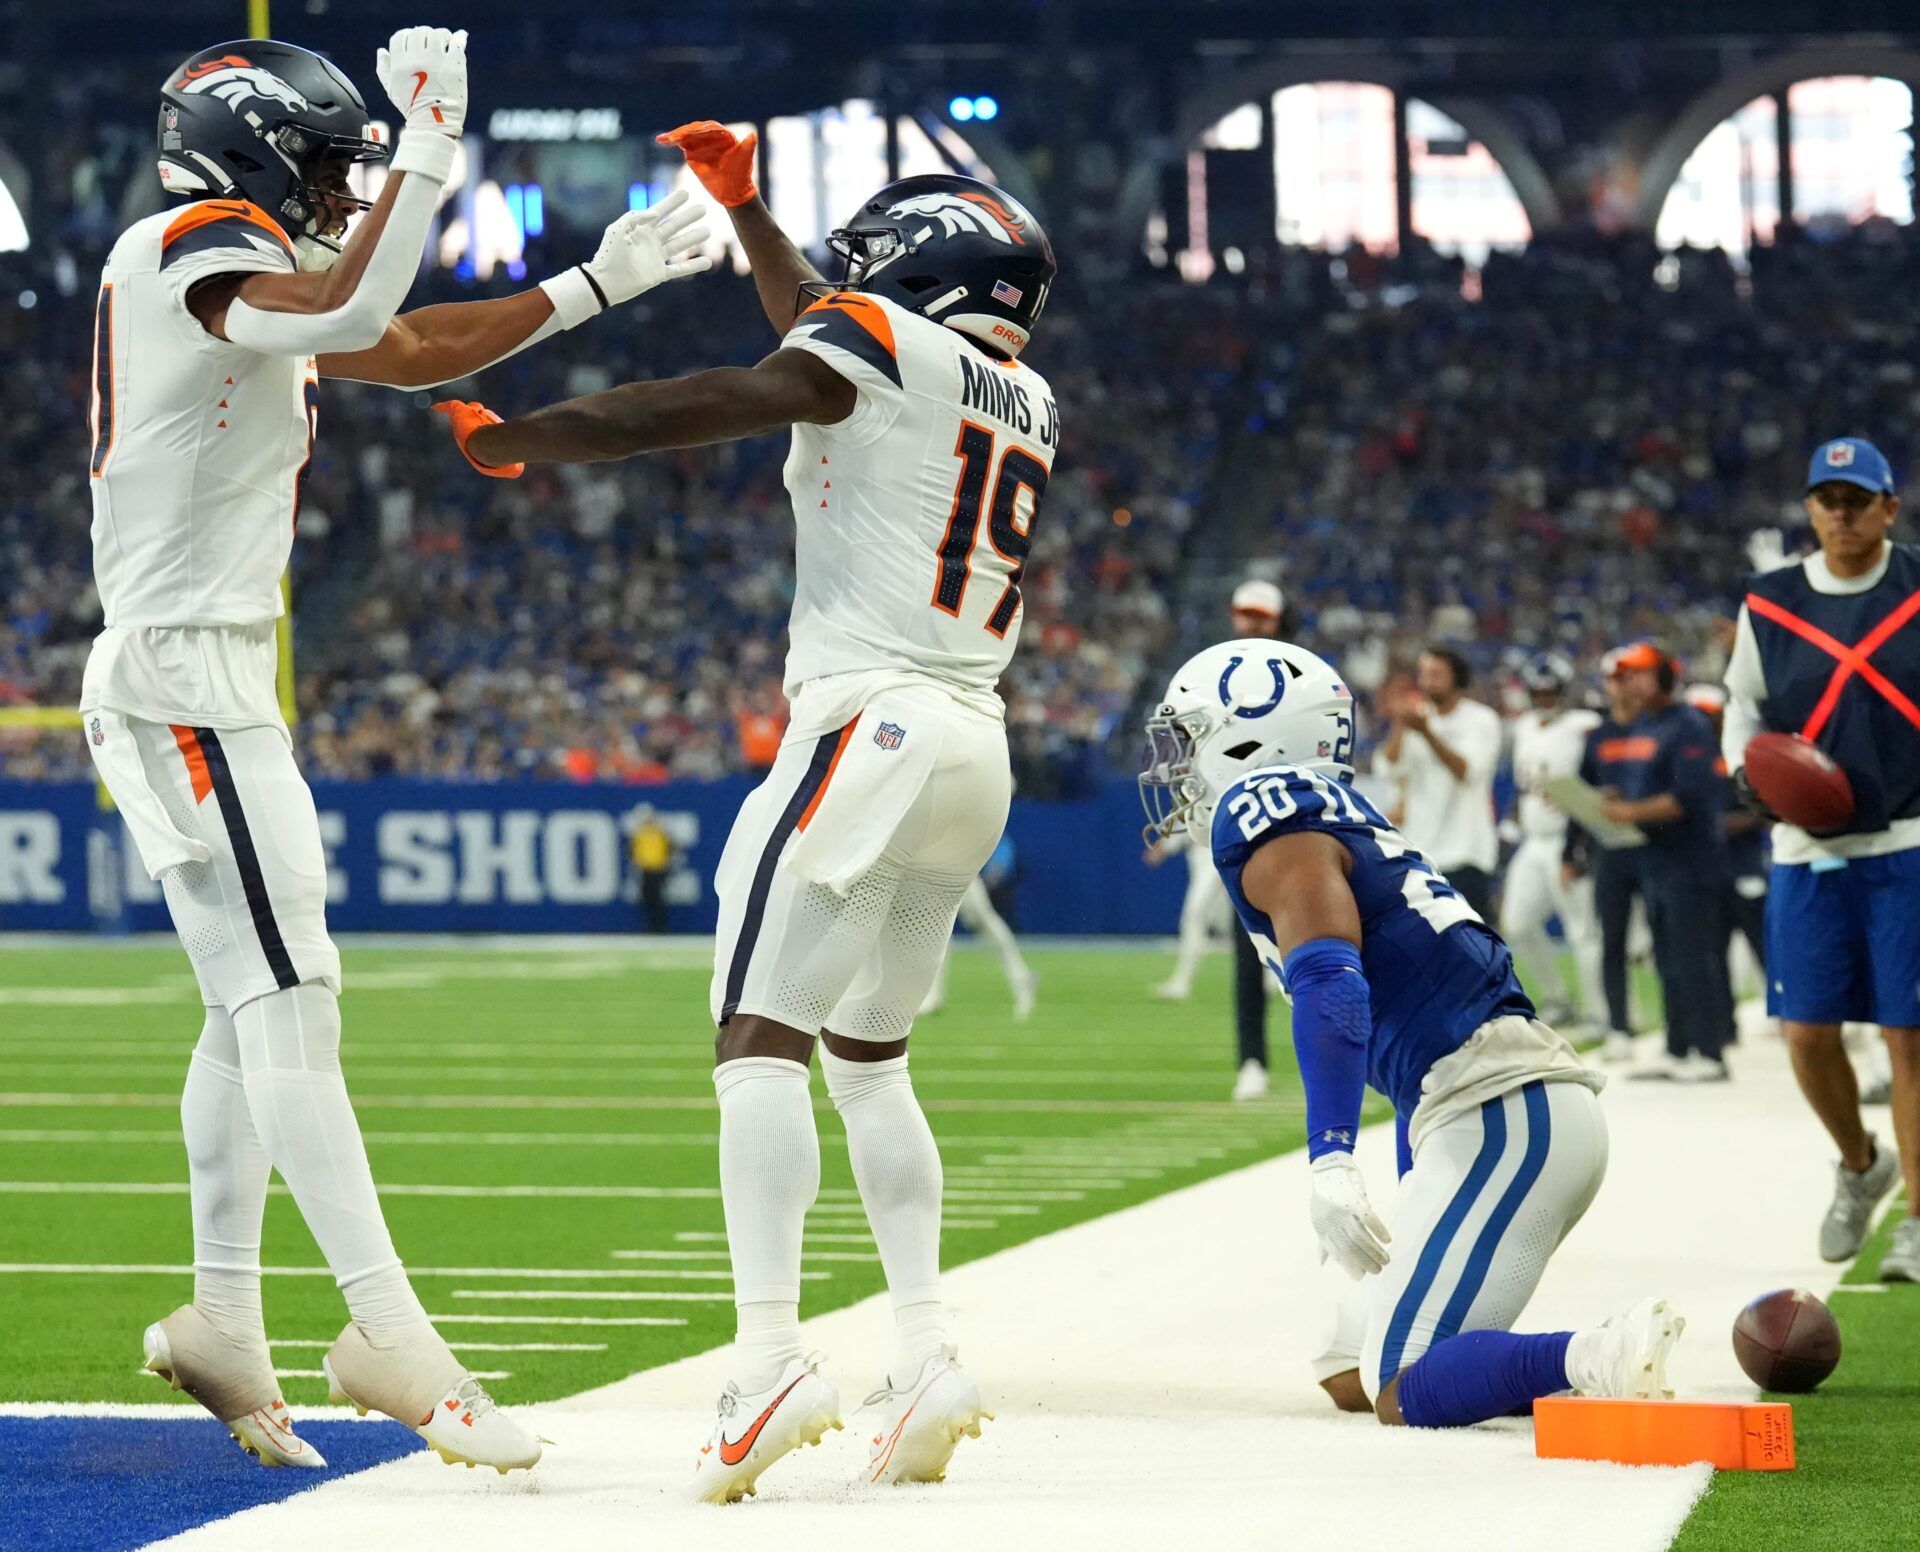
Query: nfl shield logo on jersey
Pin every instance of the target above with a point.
(99, 733)
(889, 735)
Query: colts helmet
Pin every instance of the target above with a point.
(953, 249)
(258, 120)
(1236, 708)
(1547, 672)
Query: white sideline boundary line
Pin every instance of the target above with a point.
(1148, 1369)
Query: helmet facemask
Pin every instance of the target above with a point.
(1172, 792)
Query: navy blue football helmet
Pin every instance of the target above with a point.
(260, 121)
(958, 251)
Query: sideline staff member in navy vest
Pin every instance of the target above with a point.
(1830, 649)
(1662, 773)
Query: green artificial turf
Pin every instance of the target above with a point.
(602, 1057)
(1856, 1439)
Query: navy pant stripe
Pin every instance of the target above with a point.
(1493, 1122)
(252, 880)
(756, 910)
(1480, 1260)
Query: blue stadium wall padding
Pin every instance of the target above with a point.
(107, 1484)
(418, 856)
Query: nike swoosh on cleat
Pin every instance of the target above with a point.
(732, 1452)
(419, 81)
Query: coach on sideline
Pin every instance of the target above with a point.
(1830, 649)
(1443, 751)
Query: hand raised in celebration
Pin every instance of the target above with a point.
(720, 159)
(424, 71)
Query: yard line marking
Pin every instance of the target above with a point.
(484, 1347)
(556, 1320)
(1839, 1288)
(715, 1236)
(179, 1188)
(999, 1105)
(612, 1296)
(158, 1269)
(320, 1374)
(833, 1195)
(722, 1255)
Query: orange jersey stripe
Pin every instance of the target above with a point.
(196, 759)
(1642, 748)
(211, 210)
(869, 315)
(846, 737)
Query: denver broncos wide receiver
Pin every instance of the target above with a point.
(921, 447)
(215, 322)
(1397, 983)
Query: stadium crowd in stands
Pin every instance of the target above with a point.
(1577, 454)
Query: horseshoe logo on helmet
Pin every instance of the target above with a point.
(1279, 688)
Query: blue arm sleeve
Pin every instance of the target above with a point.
(1402, 1148)
(1332, 1018)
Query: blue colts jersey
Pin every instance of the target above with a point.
(1435, 970)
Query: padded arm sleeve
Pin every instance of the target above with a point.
(573, 302)
(1332, 1018)
(360, 321)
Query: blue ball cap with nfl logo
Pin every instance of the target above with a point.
(1854, 460)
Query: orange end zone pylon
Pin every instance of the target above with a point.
(1728, 1435)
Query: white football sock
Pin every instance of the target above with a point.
(290, 1056)
(769, 1176)
(897, 1167)
(227, 1174)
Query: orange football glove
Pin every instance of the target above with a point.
(466, 418)
(721, 160)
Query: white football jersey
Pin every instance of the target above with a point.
(1547, 744)
(915, 513)
(199, 446)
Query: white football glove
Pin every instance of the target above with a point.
(1349, 1230)
(424, 71)
(645, 247)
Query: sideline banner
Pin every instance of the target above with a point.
(422, 856)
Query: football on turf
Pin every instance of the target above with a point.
(1795, 778)
(1787, 1341)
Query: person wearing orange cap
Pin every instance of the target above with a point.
(1661, 773)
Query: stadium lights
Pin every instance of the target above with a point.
(961, 108)
(986, 108)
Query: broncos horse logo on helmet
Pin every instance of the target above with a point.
(958, 251)
(263, 121)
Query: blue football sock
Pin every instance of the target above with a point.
(1481, 1374)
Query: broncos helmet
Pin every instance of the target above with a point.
(257, 120)
(1547, 673)
(953, 249)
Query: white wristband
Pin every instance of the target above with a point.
(426, 153)
(573, 297)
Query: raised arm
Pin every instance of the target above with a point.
(719, 405)
(348, 307)
(439, 344)
(1300, 881)
(723, 162)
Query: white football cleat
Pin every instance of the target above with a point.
(1251, 1083)
(921, 1424)
(434, 1396)
(1025, 986)
(1172, 991)
(234, 1382)
(752, 1432)
(1618, 1047)
(1627, 1357)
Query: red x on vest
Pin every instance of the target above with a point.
(1848, 661)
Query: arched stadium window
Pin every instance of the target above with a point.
(819, 166)
(1851, 159)
(1330, 154)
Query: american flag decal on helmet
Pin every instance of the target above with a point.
(1002, 292)
(889, 735)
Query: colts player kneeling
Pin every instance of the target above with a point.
(1395, 981)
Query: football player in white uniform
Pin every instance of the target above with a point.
(1549, 739)
(921, 447)
(215, 323)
